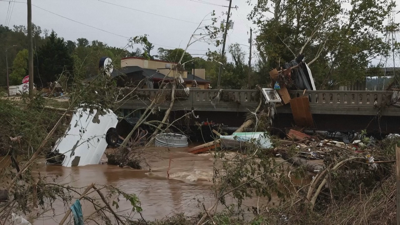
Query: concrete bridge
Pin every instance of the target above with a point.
(331, 110)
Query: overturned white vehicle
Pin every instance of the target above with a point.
(86, 139)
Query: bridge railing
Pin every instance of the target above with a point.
(200, 95)
(325, 97)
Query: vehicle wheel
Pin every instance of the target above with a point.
(112, 137)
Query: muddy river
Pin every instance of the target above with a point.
(188, 184)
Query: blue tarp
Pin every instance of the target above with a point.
(76, 209)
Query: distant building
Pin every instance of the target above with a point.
(376, 79)
(134, 69)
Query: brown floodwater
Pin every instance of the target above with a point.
(160, 197)
(187, 188)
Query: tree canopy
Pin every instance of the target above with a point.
(20, 67)
(174, 55)
(54, 55)
(52, 59)
(338, 38)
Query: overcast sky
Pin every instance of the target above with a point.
(169, 23)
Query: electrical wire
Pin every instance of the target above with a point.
(93, 27)
(154, 14)
(8, 12)
(208, 3)
(80, 22)
(12, 10)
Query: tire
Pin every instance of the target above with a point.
(112, 137)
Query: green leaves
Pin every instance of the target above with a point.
(174, 55)
(20, 67)
(53, 59)
(339, 40)
(132, 198)
(147, 45)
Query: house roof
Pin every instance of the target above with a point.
(151, 74)
(191, 77)
(156, 60)
(148, 73)
(154, 74)
(126, 70)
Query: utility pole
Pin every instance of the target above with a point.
(223, 45)
(30, 64)
(251, 42)
(8, 82)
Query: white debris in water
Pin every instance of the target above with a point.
(194, 176)
(19, 220)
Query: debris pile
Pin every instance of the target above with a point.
(316, 148)
(294, 75)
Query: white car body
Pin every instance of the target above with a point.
(84, 141)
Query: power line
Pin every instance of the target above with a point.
(72, 20)
(81, 22)
(93, 27)
(12, 10)
(8, 12)
(138, 10)
(208, 3)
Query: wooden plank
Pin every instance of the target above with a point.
(285, 96)
(297, 135)
(301, 111)
(205, 147)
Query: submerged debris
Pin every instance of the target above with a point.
(171, 140)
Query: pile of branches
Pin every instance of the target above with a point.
(377, 206)
(350, 179)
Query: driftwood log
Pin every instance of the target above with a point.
(309, 165)
(205, 147)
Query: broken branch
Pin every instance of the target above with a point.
(69, 209)
(108, 205)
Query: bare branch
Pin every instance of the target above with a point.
(314, 32)
(294, 55)
(130, 92)
(191, 37)
(321, 48)
(337, 166)
(108, 205)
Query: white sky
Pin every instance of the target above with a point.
(169, 23)
(136, 17)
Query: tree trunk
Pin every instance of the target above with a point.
(166, 116)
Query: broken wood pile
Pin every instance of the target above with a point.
(313, 153)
